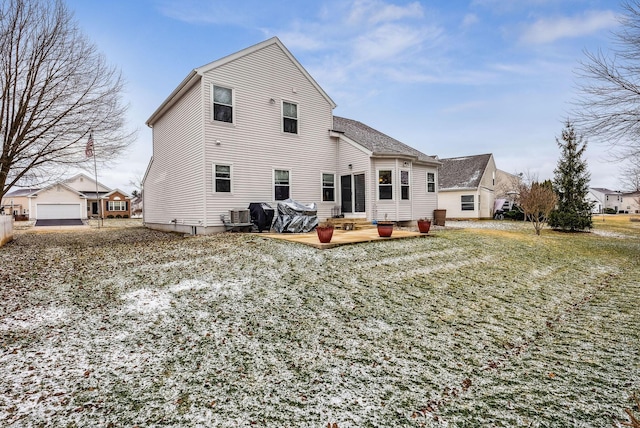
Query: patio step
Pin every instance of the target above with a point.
(351, 223)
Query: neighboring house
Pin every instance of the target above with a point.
(256, 127)
(507, 188)
(630, 203)
(604, 199)
(74, 198)
(136, 206)
(466, 186)
(16, 203)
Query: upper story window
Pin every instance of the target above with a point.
(222, 178)
(281, 184)
(404, 184)
(467, 203)
(290, 117)
(431, 182)
(328, 187)
(222, 104)
(385, 185)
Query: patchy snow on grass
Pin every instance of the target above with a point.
(466, 328)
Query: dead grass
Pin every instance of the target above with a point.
(475, 328)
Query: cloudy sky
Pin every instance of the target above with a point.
(450, 78)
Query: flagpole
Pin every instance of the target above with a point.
(95, 170)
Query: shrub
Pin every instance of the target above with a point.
(609, 211)
(514, 215)
(570, 221)
(118, 216)
(125, 216)
(110, 216)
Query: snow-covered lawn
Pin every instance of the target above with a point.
(472, 327)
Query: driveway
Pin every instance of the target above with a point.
(60, 222)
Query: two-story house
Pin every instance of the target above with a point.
(604, 200)
(256, 127)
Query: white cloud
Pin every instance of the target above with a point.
(297, 40)
(389, 41)
(376, 11)
(469, 20)
(552, 29)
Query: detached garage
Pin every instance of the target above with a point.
(58, 211)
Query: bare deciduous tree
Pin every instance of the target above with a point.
(610, 89)
(56, 89)
(630, 177)
(536, 202)
(608, 108)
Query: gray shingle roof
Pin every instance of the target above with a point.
(463, 172)
(20, 192)
(375, 141)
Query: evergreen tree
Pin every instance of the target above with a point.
(571, 184)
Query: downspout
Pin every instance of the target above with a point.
(205, 224)
(398, 189)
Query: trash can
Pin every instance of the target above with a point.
(439, 216)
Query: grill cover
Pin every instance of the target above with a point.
(295, 217)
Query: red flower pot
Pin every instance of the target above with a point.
(424, 226)
(324, 234)
(385, 230)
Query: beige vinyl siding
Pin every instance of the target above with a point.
(360, 164)
(420, 203)
(450, 201)
(59, 194)
(174, 183)
(84, 184)
(423, 202)
(255, 143)
(486, 190)
(390, 207)
(482, 203)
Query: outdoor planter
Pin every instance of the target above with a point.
(424, 226)
(324, 233)
(385, 229)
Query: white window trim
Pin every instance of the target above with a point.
(393, 193)
(322, 185)
(282, 116)
(473, 203)
(434, 182)
(273, 182)
(233, 105)
(111, 205)
(213, 177)
(409, 185)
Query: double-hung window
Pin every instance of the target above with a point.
(281, 184)
(431, 182)
(404, 184)
(222, 178)
(117, 206)
(328, 187)
(290, 117)
(385, 184)
(222, 104)
(467, 203)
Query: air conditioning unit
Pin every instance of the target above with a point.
(239, 216)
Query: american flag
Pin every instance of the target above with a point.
(89, 149)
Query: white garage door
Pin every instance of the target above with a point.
(58, 211)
